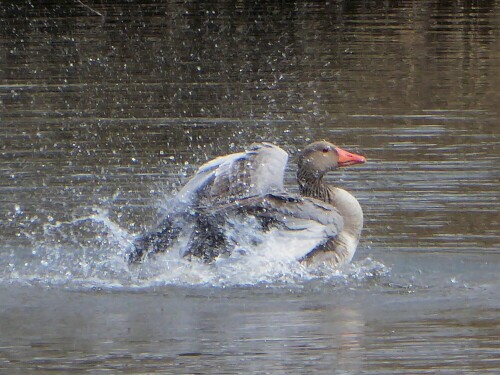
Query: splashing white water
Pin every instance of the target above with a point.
(90, 251)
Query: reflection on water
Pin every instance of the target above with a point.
(247, 330)
(107, 107)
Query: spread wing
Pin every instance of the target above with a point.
(257, 171)
(305, 224)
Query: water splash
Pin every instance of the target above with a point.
(90, 251)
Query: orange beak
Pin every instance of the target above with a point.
(348, 158)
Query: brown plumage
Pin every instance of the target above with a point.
(314, 162)
(251, 183)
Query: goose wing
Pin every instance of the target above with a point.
(305, 224)
(256, 171)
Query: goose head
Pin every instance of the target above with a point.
(321, 157)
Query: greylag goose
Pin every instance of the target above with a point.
(251, 184)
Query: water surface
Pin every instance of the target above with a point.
(107, 110)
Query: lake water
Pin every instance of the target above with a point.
(108, 107)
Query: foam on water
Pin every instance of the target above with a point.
(90, 251)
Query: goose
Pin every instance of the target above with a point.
(250, 184)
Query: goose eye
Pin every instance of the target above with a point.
(326, 149)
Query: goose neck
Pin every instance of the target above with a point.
(312, 185)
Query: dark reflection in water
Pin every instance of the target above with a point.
(268, 60)
(114, 104)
